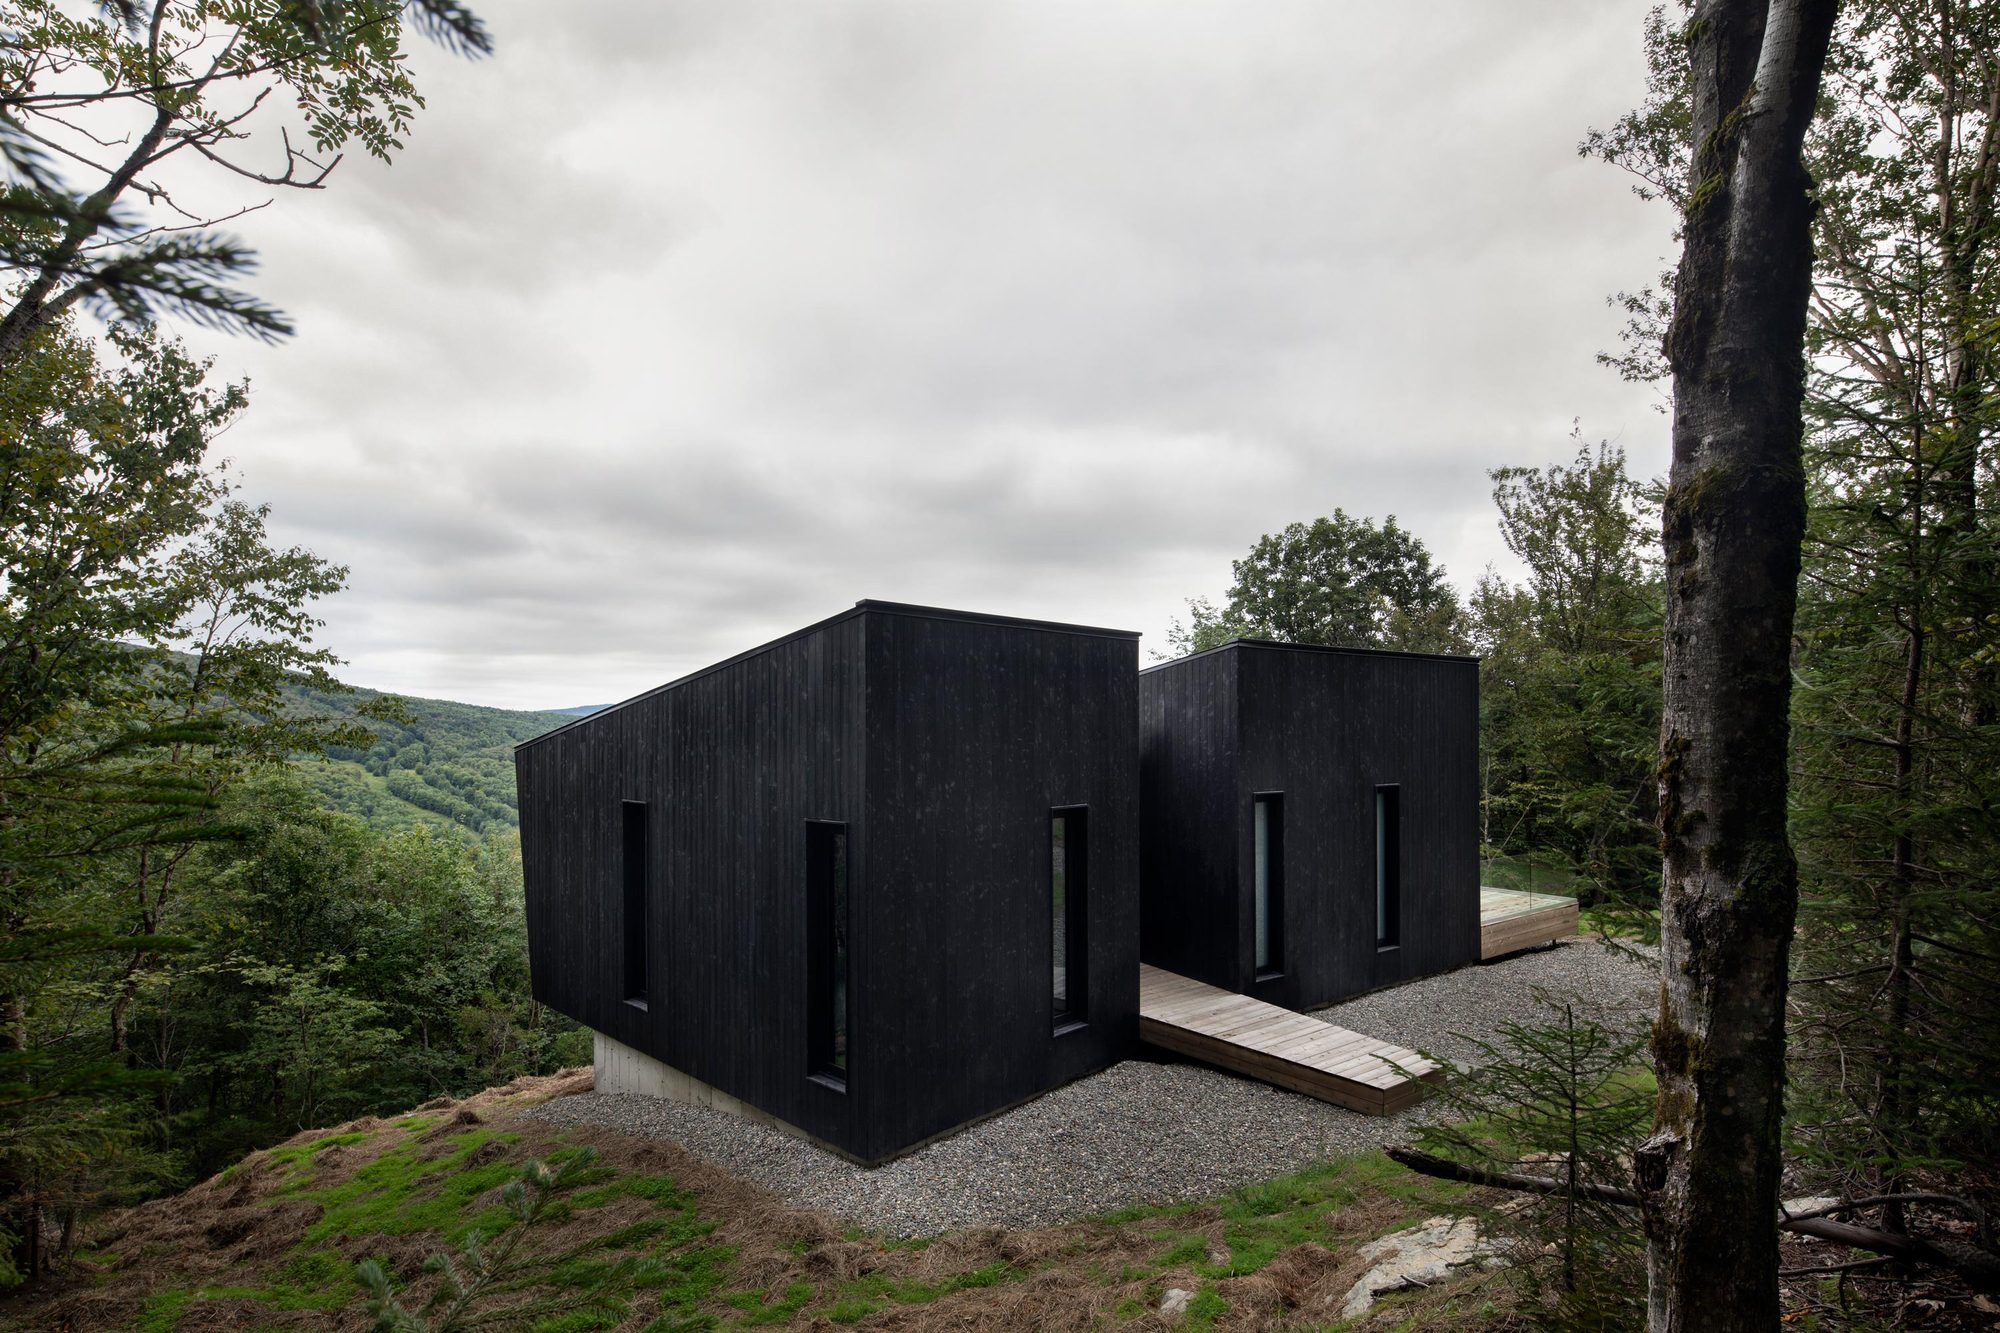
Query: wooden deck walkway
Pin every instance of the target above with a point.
(1512, 919)
(1277, 1046)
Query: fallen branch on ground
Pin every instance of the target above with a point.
(1979, 1267)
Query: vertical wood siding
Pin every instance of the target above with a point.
(941, 741)
(976, 731)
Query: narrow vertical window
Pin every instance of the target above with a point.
(1268, 888)
(636, 934)
(1069, 889)
(1388, 867)
(826, 949)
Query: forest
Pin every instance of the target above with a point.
(224, 924)
(239, 899)
(431, 764)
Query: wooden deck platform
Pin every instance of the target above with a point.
(1512, 919)
(1277, 1046)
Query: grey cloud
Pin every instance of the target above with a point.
(679, 325)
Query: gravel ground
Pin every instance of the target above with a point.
(1429, 1015)
(1139, 1132)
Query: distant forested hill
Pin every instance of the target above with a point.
(450, 765)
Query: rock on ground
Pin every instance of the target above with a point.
(1417, 1256)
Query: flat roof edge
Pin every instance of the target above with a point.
(1312, 648)
(863, 607)
(980, 618)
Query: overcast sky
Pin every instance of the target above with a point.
(679, 325)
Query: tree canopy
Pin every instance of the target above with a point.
(1338, 581)
(106, 115)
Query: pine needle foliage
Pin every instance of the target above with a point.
(1566, 1098)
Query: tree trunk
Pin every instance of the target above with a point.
(1732, 526)
(1894, 1114)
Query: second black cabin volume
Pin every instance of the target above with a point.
(1309, 818)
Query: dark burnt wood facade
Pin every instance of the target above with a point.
(933, 748)
(1352, 755)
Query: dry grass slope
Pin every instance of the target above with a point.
(271, 1243)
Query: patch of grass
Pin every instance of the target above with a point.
(851, 1311)
(667, 1323)
(387, 1197)
(661, 1190)
(758, 1308)
(856, 1300)
(581, 1321)
(291, 1155)
(288, 1157)
(162, 1313)
(683, 1280)
(1206, 1307)
(1263, 1219)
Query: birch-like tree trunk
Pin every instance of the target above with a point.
(1733, 522)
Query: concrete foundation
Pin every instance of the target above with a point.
(620, 1068)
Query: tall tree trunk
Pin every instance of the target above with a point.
(1895, 1101)
(1732, 526)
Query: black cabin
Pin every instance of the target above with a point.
(1310, 826)
(873, 880)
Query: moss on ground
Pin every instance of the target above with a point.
(412, 1178)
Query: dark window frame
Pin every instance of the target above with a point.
(1071, 1010)
(1273, 963)
(636, 917)
(829, 965)
(1388, 842)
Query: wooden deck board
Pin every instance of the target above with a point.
(1511, 920)
(1277, 1046)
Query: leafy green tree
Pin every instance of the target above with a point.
(148, 634)
(1338, 581)
(1570, 677)
(417, 942)
(102, 477)
(104, 114)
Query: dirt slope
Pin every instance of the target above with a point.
(271, 1243)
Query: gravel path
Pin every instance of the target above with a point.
(1137, 1133)
(1601, 982)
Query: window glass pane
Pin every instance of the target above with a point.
(1388, 868)
(1059, 907)
(1068, 891)
(636, 932)
(839, 945)
(1263, 884)
(827, 911)
(1267, 888)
